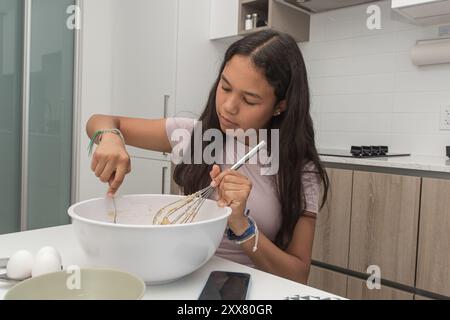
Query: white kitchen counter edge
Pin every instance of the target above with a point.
(264, 286)
(414, 162)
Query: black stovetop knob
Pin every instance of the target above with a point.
(369, 151)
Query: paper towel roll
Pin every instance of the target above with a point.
(431, 52)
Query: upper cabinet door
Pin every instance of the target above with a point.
(224, 18)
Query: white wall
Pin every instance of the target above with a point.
(365, 88)
(144, 56)
(96, 84)
(198, 58)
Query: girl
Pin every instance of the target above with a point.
(262, 84)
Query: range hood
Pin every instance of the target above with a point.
(316, 6)
(424, 12)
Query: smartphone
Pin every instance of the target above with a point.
(224, 285)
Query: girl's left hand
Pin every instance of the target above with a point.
(233, 190)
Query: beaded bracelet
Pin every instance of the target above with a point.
(250, 233)
(98, 136)
(254, 235)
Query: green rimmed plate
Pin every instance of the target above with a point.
(84, 284)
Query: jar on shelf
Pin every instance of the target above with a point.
(254, 20)
(248, 22)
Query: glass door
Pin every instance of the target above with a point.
(51, 69)
(36, 113)
(11, 48)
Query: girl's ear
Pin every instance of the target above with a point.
(280, 108)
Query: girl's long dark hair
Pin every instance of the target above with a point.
(279, 57)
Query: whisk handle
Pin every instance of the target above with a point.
(245, 158)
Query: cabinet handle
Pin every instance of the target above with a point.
(163, 180)
(166, 107)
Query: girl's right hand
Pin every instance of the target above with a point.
(111, 162)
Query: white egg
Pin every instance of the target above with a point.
(46, 262)
(20, 265)
(49, 250)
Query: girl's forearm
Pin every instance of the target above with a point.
(269, 258)
(98, 122)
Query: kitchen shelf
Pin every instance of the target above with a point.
(274, 15)
(246, 32)
(261, 7)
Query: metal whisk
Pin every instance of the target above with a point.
(186, 209)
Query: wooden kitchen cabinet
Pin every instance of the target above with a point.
(419, 297)
(147, 177)
(327, 280)
(384, 225)
(357, 290)
(433, 262)
(332, 236)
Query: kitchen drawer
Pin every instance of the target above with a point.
(357, 290)
(328, 280)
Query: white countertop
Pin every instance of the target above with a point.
(263, 286)
(413, 162)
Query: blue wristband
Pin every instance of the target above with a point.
(251, 230)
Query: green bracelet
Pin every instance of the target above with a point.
(98, 135)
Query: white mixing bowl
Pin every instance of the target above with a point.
(155, 253)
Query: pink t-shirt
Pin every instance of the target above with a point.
(263, 203)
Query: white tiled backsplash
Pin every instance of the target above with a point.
(365, 90)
